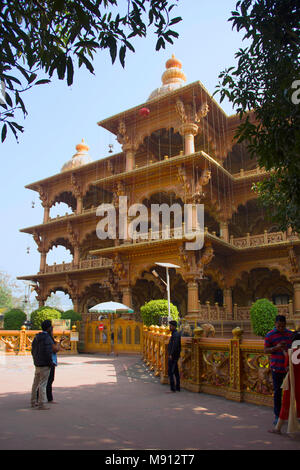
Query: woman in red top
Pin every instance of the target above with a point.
(290, 407)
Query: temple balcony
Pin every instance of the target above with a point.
(84, 265)
(264, 239)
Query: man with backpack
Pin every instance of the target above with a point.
(41, 350)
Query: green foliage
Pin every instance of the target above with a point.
(71, 315)
(266, 81)
(153, 310)
(262, 315)
(41, 314)
(14, 319)
(52, 36)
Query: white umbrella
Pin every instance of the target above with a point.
(111, 307)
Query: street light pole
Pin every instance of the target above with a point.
(167, 266)
(168, 292)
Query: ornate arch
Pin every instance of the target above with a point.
(259, 282)
(61, 241)
(67, 196)
(54, 289)
(90, 241)
(171, 191)
(95, 192)
(92, 294)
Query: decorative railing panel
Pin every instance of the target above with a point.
(233, 368)
(83, 264)
(18, 342)
(262, 239)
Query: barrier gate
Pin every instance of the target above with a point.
(118, 336)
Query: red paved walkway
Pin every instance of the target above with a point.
(108, 402)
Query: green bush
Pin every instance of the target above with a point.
(41, 314)
(14, 319)
(262, 315)
(153, 310)
(71, 315)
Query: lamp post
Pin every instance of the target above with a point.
(167, 284)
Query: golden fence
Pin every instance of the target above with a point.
(18, 342)
(234, 368)
(127, 336)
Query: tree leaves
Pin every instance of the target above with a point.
(54, 37)
(262, 83)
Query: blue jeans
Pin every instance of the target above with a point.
(173, 371)
(277, 382)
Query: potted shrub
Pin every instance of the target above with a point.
(152, 312)
(262, 316)
(41, 314)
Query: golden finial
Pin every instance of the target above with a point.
(173, 72)
(82, 147)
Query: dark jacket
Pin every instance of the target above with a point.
(41, 350)
(174, 346)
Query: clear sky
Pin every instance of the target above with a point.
(60, 116)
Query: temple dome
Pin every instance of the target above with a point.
(172, 78)
(80, 158)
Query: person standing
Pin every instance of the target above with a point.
(174, 348)
(290, 407)
(55, 349)
(41, 350)
(277, 342)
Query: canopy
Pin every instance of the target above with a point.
(110, 307)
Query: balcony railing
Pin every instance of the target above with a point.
(83, 264)
(216, 312)
(262, 239)
(234, 368)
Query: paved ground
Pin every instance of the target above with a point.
(108, 402)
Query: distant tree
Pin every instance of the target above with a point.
(7, 290)
(266, 81)
(71, 315)
(51, 36)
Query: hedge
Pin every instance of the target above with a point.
(14, 319)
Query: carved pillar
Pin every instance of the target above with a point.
(75, 301)
(192, 307)
(127, 296)
(79, 205)
(188, 131)
(46, 213)
(45, 202)
(227, 294)
(76, 255)
(129, 150)
(234, 391)
(296, 285)
(43, 261)
(77, 190)
(224, 233)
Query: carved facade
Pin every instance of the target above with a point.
(182, 151)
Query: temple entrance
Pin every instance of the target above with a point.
(116, 335)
